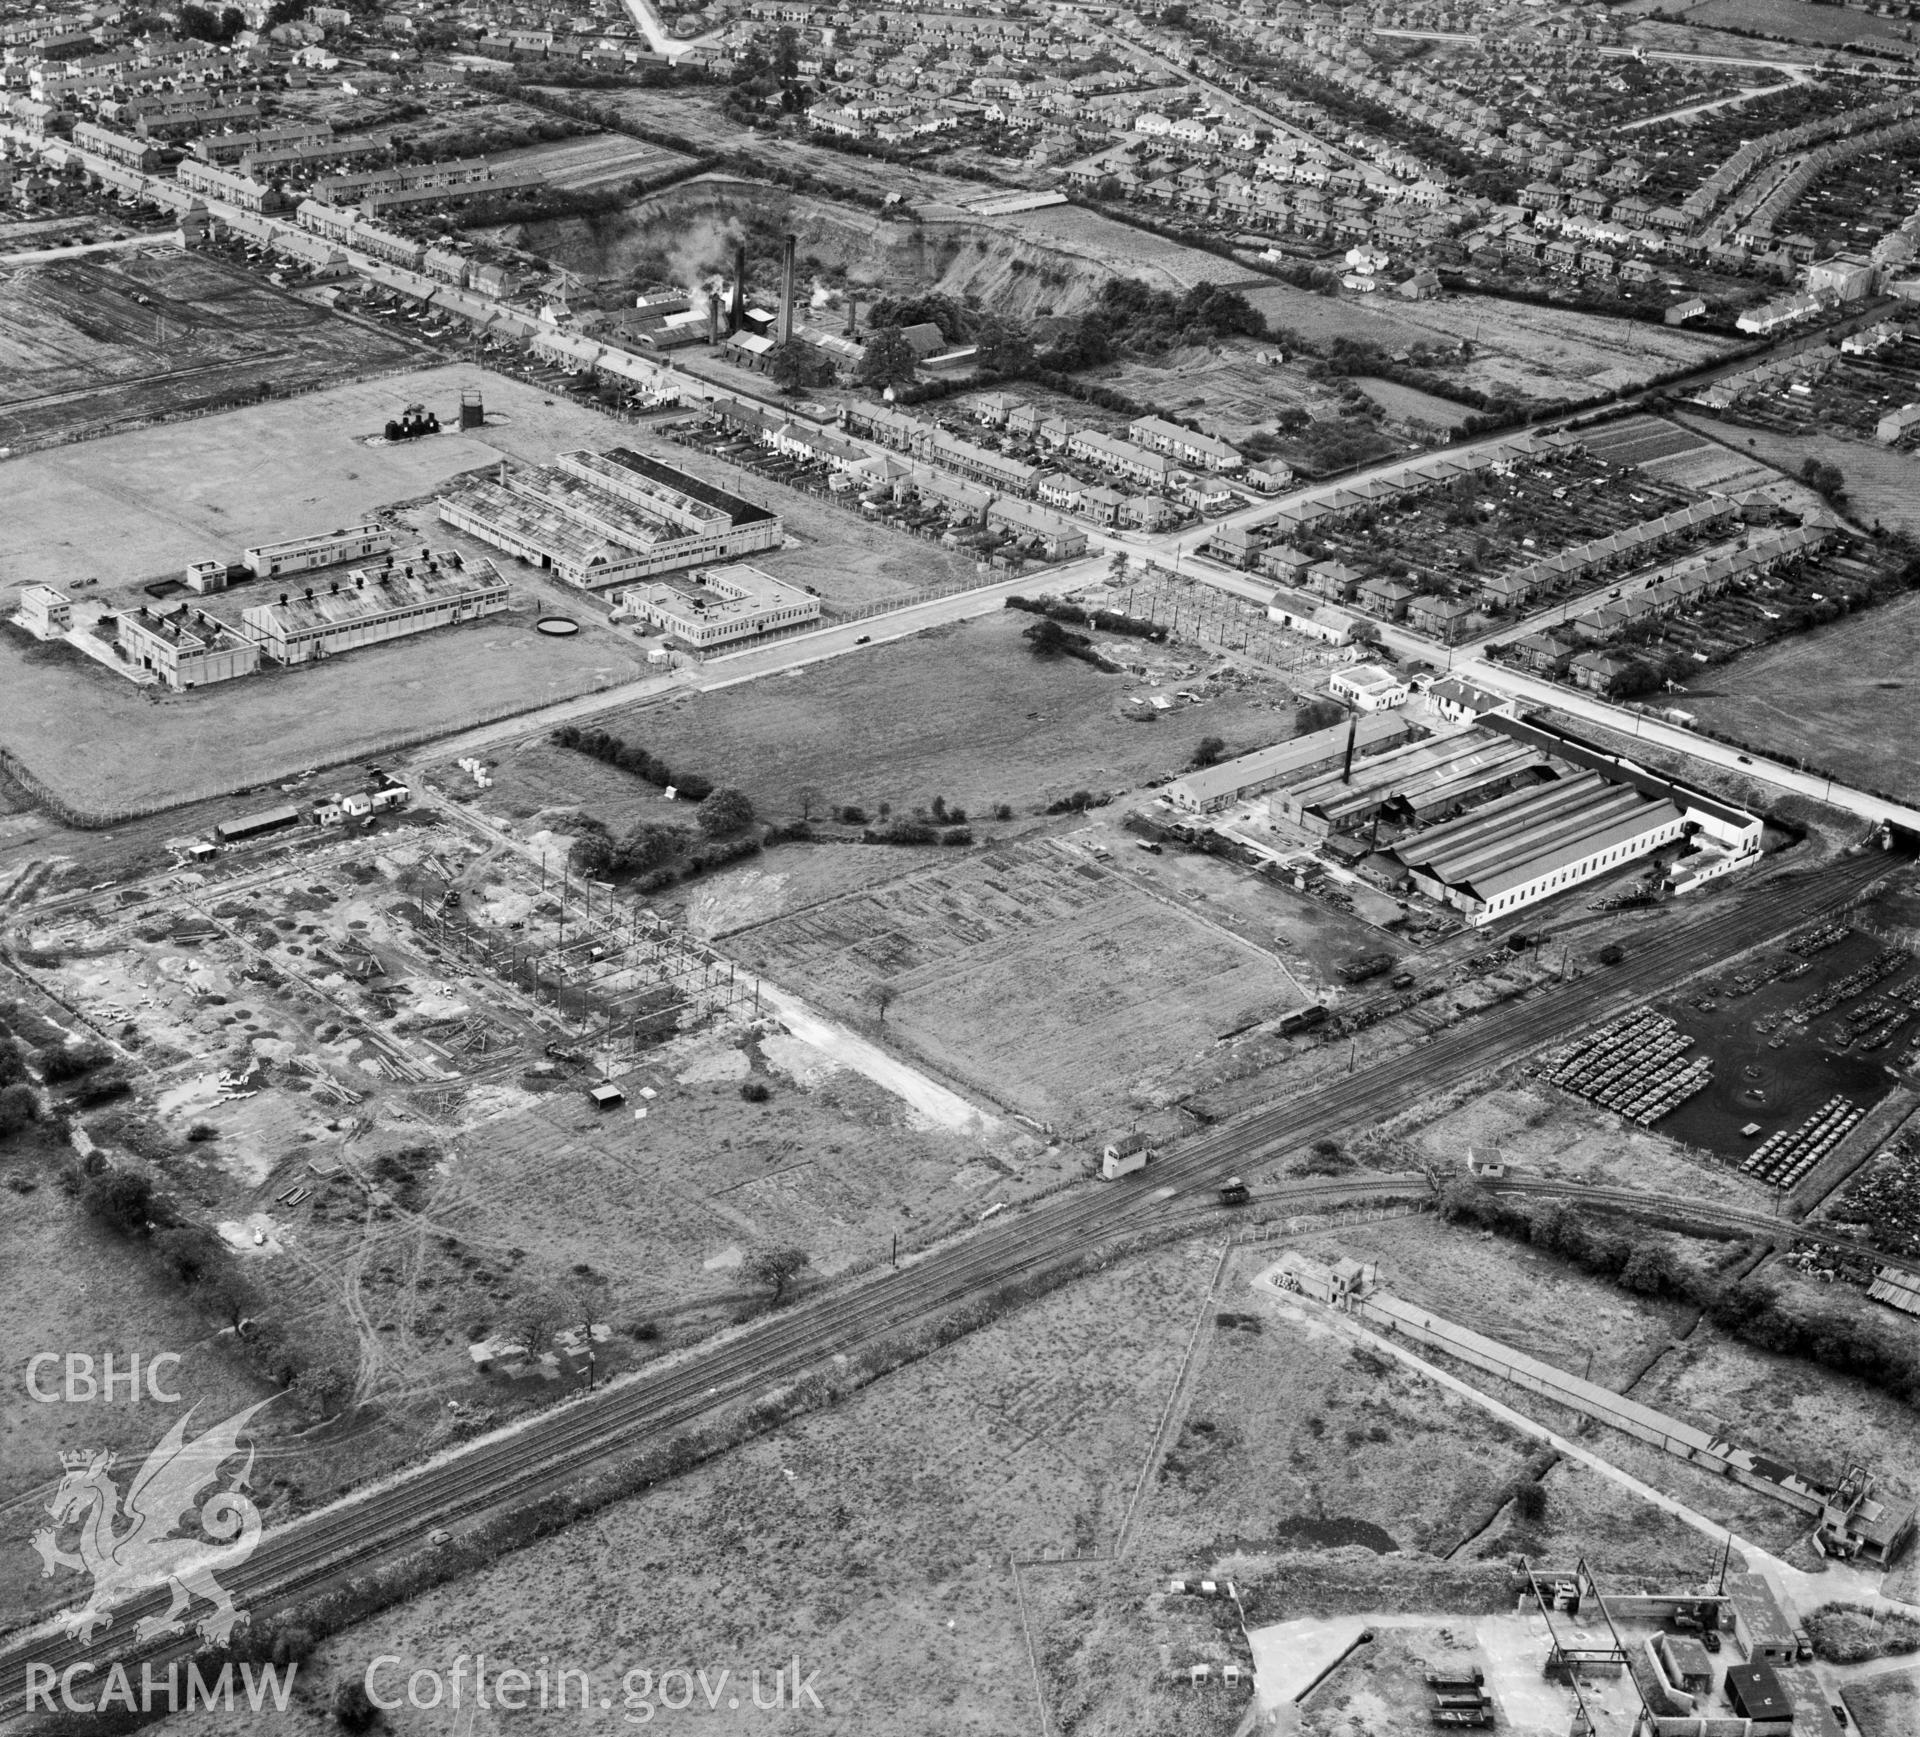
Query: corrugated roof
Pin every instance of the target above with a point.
(1212, 783)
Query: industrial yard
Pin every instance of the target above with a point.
(121, 340)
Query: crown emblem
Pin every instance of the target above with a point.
(78, 1459)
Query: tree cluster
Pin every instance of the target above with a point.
(1133, 316)
(1048, 639)
(1106, 620)
(657, 852)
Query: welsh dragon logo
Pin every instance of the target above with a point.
(149, 1552)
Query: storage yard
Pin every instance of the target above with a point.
(1770, 1065)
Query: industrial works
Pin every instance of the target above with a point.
(971, 869)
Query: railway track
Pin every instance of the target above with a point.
(392, 1519)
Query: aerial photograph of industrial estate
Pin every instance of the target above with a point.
(960, 868)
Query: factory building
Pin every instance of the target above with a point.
(46, 613)
(1411, 785)
(1535, 842)
(185, 647)
(374, 604)
(329, 549)
(600, 519)
(719, 605)
(1216, 787)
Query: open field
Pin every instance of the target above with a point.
(102, 744)
(1838, 697)
(1519, 349)
(1292, 1439)
(66, 1285)
(1549, 1309)
(872, 1540)
(1797, 20)
(1034, 972)
(596, 160)
(1410, 404)
(965, 712)
(1121, 248)
(1886, 1704)
(142, 505)
(1816, 1421)
(91, 343)
(1883, 483)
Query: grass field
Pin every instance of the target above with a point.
(1840, 697)
(1043, 978)
(871, 1540)
(66, 1285)
(965, 712)
(101, 341)
(597, 160)
(99, 743)
(1883, 484)
(1797, 20)
(1517, 348)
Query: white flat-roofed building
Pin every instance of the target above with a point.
(717, 605)
(327, 549)
(373, 604)
(1368, 686)
(46, 613)
(185, 647)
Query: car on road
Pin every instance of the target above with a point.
(864, 639)
(1745, 759)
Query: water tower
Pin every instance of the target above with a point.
(473, 413)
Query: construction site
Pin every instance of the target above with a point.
(400, 1063)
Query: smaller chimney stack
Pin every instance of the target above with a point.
(786, 289)
(737, 309)
(853, 315)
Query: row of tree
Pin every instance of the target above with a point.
(630, 757)
(1787, 1320)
